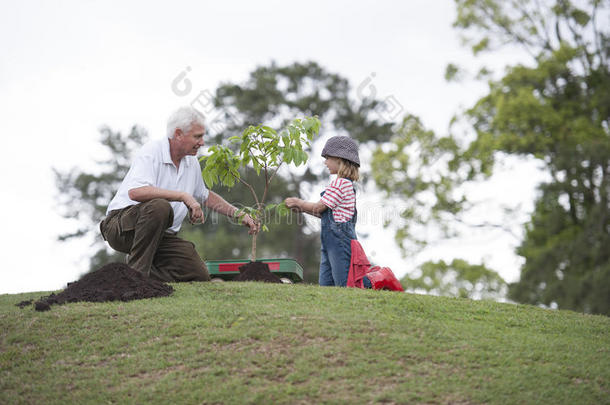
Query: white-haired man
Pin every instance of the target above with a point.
(163, 185)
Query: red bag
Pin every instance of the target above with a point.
(358, 267)
(381, 278)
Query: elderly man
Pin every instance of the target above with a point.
(163, 185)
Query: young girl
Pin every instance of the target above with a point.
(337, 210)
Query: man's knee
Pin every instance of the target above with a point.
(159, 209)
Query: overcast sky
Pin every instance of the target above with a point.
(69, 67)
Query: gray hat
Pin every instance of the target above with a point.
(342, 147)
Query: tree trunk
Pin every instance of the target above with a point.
(253, 253)
(258, 219)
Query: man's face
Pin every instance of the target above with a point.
(192, 140)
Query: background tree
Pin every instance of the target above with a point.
(84, 196)
(427, 172)
(457, 279)
(557, 109)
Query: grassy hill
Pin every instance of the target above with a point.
(263, 343)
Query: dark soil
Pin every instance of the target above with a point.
(256, 271)
(24, 304)
(112, 282)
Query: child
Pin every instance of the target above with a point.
(337, 210)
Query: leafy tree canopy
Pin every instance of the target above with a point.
(84, 196)
(555, 108)
(558, 110)
(457, 279)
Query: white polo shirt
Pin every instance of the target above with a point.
(153, 166)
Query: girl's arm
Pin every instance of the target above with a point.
(311, 208)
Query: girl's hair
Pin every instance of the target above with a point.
(347, 170)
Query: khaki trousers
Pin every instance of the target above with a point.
(140, 231)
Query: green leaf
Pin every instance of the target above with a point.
(481, 46)
(297, 157)
(453, 73)
(208, 178)
(282, 209)
(580, 17)
(288, 155)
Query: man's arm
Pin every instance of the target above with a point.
(220, 205)
(147, 193)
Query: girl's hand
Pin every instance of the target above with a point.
(293, 203)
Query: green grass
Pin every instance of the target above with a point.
(262, 343)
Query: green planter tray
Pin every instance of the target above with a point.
(228, 269)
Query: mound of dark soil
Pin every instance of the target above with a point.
(112, 282)
(256, 271)
(24, 304)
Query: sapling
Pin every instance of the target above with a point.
(265, 150)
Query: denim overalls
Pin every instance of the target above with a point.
(336, 249)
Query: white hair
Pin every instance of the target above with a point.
(184, 118)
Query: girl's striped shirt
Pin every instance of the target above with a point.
(339, 196)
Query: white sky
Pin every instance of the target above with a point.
(68, 67)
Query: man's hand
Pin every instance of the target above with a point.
(195, 211)
(293, 203)
(254, 226)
